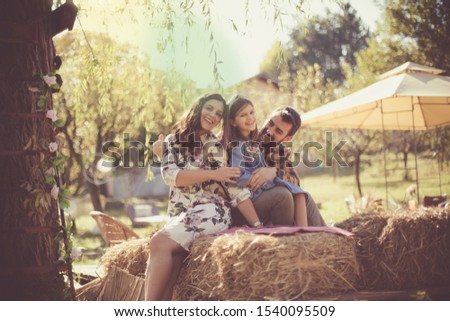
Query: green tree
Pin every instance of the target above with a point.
(427, 25)
(369, 65)
(100, 100)
(425, 22)
(329, 41)
(111, 93)
(310, 87)
(405, 142)
(360, 142)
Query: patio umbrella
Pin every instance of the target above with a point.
(409, 97)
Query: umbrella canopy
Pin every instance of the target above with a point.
(411, 96)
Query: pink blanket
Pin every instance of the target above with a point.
(287, 230)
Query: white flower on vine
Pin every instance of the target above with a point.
(76, 253)
(50, 172)
(52, 115)
(53, 147)
(49, 80)
(54, 192)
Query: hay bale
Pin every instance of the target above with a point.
(119, 285)
(402, 249)
(416, 249)
(246, 266)
(367, 228)
(130, 256)
(89, 291)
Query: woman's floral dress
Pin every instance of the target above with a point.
(198, 209)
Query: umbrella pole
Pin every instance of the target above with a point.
(439, 151)
(384, 153)
(415, 152)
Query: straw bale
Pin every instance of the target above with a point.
(130, 256)
(367, 228)
(402, 249)
(89, 291)
(246, 266)
(416, 249)
(119, 285)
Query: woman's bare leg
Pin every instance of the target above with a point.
(300, 214)
(160, 266)
(178, 260)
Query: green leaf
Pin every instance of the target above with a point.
(64, 203)
(61, 168)
(59, 123)
(65, 191)
(50, 180)
(69, 223)
(58, 160)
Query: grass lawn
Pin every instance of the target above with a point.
(332, 192)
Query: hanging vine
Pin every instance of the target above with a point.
(42, 192)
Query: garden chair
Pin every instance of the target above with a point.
(112, 230)
(144, 214)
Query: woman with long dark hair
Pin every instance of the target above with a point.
(194, 166)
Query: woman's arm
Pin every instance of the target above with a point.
(174, 175)
(223, 174)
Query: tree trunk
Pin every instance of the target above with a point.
(405, 165)
(28, 244)
(94, 192)
(358, 171)
(94, 188)
(335, 170)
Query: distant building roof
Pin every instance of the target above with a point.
(265, 78)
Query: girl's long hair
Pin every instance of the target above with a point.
(235, 104)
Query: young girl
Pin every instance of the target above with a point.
(245, 154)
(198, 204)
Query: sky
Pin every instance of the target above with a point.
(239, 53)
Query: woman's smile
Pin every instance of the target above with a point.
(211, 115)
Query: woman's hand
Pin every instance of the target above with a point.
(158, 146)
(226, 174)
